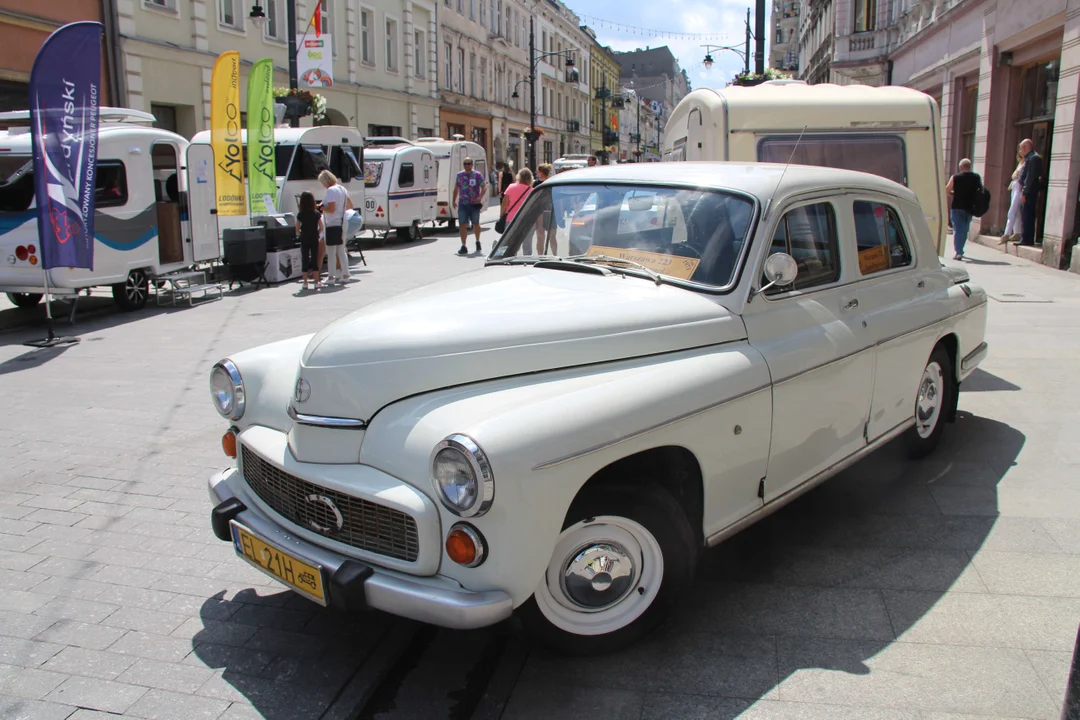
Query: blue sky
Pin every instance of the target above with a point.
(717, 17)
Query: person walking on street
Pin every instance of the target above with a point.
(545, 228)
(309, 225)
(962, 187)
(1016, 205)
(1030, 184)
(493, 178)
(506, 179)
(470, 190)
(335, 203)
(513, 199)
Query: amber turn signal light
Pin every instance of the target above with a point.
(465, 545)
(228, 443)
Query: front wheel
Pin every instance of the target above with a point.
(623, 560)
(131, 294)
(936, 396)
(24, 300)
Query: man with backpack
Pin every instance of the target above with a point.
(968, 199)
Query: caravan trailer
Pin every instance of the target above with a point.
(301, 154)
(399, 182)
(449, 155)
(141, 225)
(894, 132)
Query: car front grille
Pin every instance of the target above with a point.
(363, 524)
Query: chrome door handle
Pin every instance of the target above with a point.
(851, 305)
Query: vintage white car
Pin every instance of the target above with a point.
(564, 435)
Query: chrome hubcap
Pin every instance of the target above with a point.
(135, 289)
(928, 404)
(598, 576)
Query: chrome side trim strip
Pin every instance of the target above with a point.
(973, 358)
(338, 423)
(637, 433)
(810, 484)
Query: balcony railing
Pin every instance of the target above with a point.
(861, 46)
(859, 43)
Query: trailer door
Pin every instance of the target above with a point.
(695, 137)
(202, 196)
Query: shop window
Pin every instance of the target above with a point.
(880, 238)
(110, 188)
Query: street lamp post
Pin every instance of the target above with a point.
(534, 60)
(744, 54)
(258, 17)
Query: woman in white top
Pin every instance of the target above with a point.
(1014, 225)
(334, 204)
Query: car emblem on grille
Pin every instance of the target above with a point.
(323, 510)
(302, 391)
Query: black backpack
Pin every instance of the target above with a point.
(980, 202)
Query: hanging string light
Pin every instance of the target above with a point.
(648, 32)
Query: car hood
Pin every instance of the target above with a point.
(497, 322)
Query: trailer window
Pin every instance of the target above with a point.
(16, 183)
(882, 155)
(111, 189)
(407, 175)
(310, 160)
(372, 173)
(350, 164)
(283, 155)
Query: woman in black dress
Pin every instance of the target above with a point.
(309, 226)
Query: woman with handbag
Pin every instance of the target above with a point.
(512, 198)
(335, 203)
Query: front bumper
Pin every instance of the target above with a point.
(354, 585)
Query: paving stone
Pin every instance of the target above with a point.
(12, 708)
(213, 608)
(22, 625)
(131, 577)
(55, 517)
(172, 676)
(9, 540)
(65, 567)
(150, 621)
(62, 549)
(669, 706)
(1052, 668)
(1029, 574)
(198, 631)
(535, 700)
(22, 581)
(79, 634)
(155, 647)
(97, 694)
(243, 661)
(28, 683)
(67, 587)
(53, 502)
(25, 653)
(135, 597)
(89, 663)
(163, 705)
(87, 611)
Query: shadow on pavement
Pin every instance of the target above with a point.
(826, 583)
(94, 313)
(32, 359)
(982, 381)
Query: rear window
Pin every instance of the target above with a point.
(372, 173)
(882, 155)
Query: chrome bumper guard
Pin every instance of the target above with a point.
(355, 585)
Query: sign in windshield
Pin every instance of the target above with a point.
(681, 233)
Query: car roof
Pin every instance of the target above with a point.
(758, 179)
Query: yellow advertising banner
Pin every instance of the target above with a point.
(225, 137)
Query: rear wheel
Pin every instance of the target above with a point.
(404, 234)
(416, 233)
(24, 300)
(623, 560)
(131, 294)
(936, 396)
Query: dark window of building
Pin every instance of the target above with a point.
(384, 130)
(1038, 90)
(967, 122)
(425, 132)
(164, 117)
(479, 136)
(865, 15)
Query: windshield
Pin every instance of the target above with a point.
(680, 233)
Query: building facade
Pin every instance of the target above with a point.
(638, 135)
(24, 27)
(384, 58)
(563, 98)
(656, 74)
(603, 86)
(784, 46)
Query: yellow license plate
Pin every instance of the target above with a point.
(303, 577)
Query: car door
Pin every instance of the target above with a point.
(897, 307)
(819, 355)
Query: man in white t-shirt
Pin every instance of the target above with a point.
(334, 204)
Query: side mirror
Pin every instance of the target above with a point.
(780, 270)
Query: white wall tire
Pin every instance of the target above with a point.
(626, 555)
(934, 399)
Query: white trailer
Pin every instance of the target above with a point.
(449, 156)
(143, 225)
(400, 186)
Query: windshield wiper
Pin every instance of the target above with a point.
(619, 261)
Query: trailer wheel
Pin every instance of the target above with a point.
(24, 300)
(416, 233)
(451, 224)
(131, 294)
(404, 234)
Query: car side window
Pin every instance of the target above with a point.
(808, 234)
(880, 238)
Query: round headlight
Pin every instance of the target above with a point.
(462, 476)
(227, 390)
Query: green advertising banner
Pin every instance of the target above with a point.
(262, 173)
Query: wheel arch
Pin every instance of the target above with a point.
(951, 343)
(673, 467)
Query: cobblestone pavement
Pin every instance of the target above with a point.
(938, 590)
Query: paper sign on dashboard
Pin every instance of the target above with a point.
(873, 260)
(673, 265)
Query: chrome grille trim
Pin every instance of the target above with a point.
(365, 525)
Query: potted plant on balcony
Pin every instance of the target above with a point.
(301, 103)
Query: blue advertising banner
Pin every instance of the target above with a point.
(65, 88)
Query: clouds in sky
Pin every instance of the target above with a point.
(723, 19)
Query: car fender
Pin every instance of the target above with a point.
(269, 375)
(546, 434)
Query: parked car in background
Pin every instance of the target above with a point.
(563, 436)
